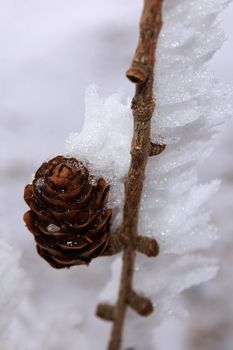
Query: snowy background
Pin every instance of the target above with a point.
(50, 52)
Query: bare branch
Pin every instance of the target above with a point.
(141, 72)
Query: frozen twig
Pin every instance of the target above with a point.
(141, 72)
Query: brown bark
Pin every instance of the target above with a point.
(141, 72)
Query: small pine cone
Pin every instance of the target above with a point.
(68, 216)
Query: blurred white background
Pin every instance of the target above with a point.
(51, 50)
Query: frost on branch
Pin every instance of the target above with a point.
(191, 106)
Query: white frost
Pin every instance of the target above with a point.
(191, 106)
(104, 141)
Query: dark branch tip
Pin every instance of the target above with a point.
(156, 149)
(105, 311)
(147, 246)
(136, 76)
(142, 305)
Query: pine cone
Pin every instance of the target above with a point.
(68, 217)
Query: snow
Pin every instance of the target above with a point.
(11, 296)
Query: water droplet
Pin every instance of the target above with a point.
(71, 243)
(40, 184)
(53, 228)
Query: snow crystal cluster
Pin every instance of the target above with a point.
(191, 106)
(213, 331)
(104, 142)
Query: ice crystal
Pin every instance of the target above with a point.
(190, 107)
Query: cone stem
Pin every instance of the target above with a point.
(141, 73)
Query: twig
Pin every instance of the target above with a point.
(141, 73)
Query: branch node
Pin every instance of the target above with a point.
(143, 109)
(116, 244)
(147, 246)
(137, 73)
(156, 149)
(142, 305)
(105, 311)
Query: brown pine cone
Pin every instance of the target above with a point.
(68, 216)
